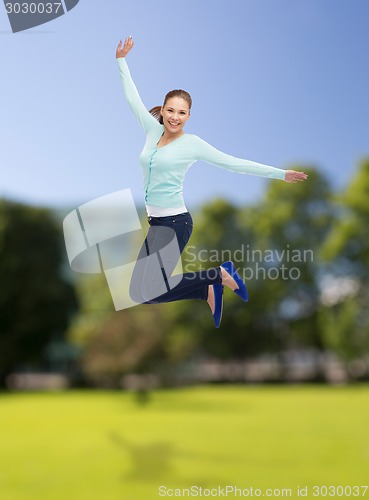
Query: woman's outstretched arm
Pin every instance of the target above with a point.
(147, 121)
(208, 153)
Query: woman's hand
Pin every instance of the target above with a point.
(122, 50)
(294, 176)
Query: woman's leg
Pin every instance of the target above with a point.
(152, 280)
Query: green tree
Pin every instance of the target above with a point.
(142, 339)
(348, 242)
(36, 300)
(285, 228)
(292, 222)
(128, 341)
(344, 315)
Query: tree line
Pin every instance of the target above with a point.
(304, 254)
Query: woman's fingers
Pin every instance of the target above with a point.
(124, 48)
(294, 176)
(128, 43)
(301, 176)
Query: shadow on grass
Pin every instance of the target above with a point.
(153, 462)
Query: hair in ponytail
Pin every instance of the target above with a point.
(173, 93)
(156, 114)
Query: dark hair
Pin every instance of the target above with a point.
(173, 93)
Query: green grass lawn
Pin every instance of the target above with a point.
(106, 446)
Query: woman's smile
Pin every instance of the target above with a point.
(175, 114)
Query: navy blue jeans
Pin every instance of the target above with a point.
(152, 281)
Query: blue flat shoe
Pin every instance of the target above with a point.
(241, 291)
(218, 304)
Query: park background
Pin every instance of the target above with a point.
(97, 403)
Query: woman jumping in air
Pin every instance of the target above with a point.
(167, 155)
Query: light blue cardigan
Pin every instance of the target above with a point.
(164, 168)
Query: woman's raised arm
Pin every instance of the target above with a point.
(147, 121)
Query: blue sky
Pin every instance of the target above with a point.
(280, 82)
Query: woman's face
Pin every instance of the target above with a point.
(175, 113)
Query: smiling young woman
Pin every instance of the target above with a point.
(167, 155)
